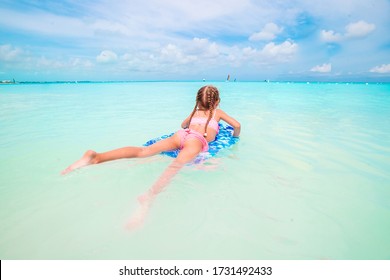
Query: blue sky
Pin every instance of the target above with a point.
(295, 40)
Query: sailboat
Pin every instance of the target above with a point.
(228, 78)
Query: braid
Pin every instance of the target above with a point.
(209, 104)
(206, 98)
(198, 100)
(193, 113)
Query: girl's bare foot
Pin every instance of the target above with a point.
(88, 158)
(138, 218)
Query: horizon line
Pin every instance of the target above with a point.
(11, 82)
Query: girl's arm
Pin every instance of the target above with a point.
(233, 122)
(186, 122)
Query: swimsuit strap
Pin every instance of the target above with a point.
(197, 111)
(215, 127)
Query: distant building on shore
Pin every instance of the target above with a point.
(8, 81)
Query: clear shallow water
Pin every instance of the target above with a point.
(309, 178)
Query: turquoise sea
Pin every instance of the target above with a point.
(309, 178)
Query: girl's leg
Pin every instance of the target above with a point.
(190, 150)
(91, 157)
(192, 147)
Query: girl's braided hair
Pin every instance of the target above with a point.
(207, 98)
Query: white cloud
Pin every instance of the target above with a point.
(9, 53)
(171, 51)
(173, 54)
(158, 36)
(248, 52)
(16, 58)
(359, 29)
(78, 62)
(110, 27)
(330, 36)
(384, 68)
(44, 23)
(46, 63)
(268, 33)
(324, 68)
(181, 56)
(282, 51)
(202, 47)
(270, 54)
(106, 56)
(201, 9)
(198, 49)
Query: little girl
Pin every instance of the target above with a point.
(199, 128)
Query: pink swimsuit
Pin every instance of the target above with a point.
(212, 124)
(187, 133)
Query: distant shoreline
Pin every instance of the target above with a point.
(7, 82)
